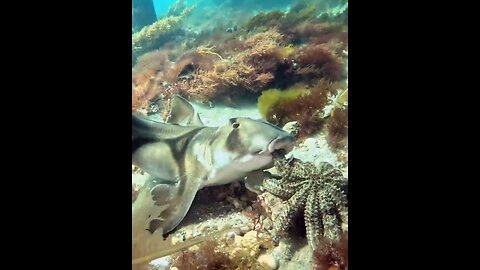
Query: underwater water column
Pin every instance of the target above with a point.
(143, 13)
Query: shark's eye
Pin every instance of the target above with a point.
(235, 125)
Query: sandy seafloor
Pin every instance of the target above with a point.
(293, 251)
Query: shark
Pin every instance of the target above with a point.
(182, 156)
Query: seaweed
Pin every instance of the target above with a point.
(233, 64)
(144, 93)
(338, 13)
(264, 20)
(274, 97)
(283, 21)
(187, 64)
(317, 33)
(301, 12)
(306, 107)
(331, 255)
(151, 36)
(155, 76)
(146, 78)
(252, 69)
(212, 255)
(207, 257)
(321, 61)
(337, 128)
(177, 8)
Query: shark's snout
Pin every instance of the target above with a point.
(284, 142)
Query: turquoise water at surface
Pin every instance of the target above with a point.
(162, 6)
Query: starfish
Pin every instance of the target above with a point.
(317, 191)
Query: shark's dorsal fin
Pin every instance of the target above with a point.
(150, 129)
(183, 113)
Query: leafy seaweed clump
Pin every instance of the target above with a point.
(274, 98)
(306, 107)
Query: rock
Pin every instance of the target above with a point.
(310, 143)
(176, 240)
(238, 240)
(248, 242)
(283, 250)
(267, 224)
(232, 235)
(268, 261)
(316, 150)
(245, 228)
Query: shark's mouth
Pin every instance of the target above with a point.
(278, 147)
(281, 145)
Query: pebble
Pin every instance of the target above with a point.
(231, 235)
(267, 224)
(282, 250)
(245, 229)
(268, 261)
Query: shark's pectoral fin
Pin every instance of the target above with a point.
(163, 204)
(150, 209)
(163, 193)
(183, 113)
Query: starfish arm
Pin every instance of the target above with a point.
(281, 188)
(313, 220)
(327, 203)
(295, 203)
(331, 226)
(303, 170)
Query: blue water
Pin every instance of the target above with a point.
(162, 6)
